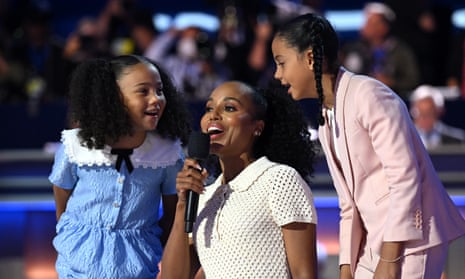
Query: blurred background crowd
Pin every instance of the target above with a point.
(405, 44)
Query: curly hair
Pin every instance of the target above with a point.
(315, 32)
(285, 138)
(96, 104)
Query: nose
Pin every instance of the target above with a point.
(213, 115)
(277, 74)
(153, 96)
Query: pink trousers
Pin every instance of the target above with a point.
(427, 264)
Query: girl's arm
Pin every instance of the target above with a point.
(61, 198)
(300, 245)
(166, 221)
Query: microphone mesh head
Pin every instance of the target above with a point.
(199, 145)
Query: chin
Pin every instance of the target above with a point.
(297, 96)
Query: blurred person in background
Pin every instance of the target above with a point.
(144, 33)
(85, 42)
(456, 63)
(35, 68)
(379, 54)
(426, 26)
(114, 24)
(427, 109)
(187, 53)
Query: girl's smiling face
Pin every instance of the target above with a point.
(142, 91)
(230, 121)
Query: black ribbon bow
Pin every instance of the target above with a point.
(123, 154)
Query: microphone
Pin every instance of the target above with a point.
(198, 149)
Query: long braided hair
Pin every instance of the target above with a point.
(315, 32)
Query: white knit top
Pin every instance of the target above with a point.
(238, 228)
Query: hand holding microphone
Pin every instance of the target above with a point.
(197, 149)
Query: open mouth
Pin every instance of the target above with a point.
(152, 113)
(214, 130)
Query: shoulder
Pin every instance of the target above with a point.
(363, 89)
(81, 155)
(278, 173)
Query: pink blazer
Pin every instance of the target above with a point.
(387, 186)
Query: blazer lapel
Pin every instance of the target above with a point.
(341, 138)
(336, 173)
(341, 123)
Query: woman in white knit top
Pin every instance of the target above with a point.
(257, 219)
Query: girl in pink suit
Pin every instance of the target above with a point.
(396, 217)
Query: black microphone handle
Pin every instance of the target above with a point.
(191, 210)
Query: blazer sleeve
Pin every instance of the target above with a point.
(345, 231)
(384, 116)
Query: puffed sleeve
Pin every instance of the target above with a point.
(168, 186)
(63, 172)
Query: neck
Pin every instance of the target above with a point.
(329, 82)
(232, 166)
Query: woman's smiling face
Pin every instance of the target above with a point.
(230, 121)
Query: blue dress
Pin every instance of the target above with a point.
(110, 226)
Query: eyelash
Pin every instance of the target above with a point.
(228, 108)
(145, 91)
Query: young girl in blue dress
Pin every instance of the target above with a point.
(112, 172)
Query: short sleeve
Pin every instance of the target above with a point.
(290, 197)
(169, 183)
(63, 172)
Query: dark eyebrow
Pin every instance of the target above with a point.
(145, 83)
(231, 99)
(226, 99)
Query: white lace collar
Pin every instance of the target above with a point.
(154, 152)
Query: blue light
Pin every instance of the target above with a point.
(351, 20)
(183, 20)
(49, 205)
(162, 22)
(458, 18)
(11, 206)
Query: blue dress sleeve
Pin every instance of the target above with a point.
(168, 186)
(63, 172)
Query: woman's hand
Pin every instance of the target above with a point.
(191, 177)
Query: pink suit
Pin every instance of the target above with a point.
(387, 186)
